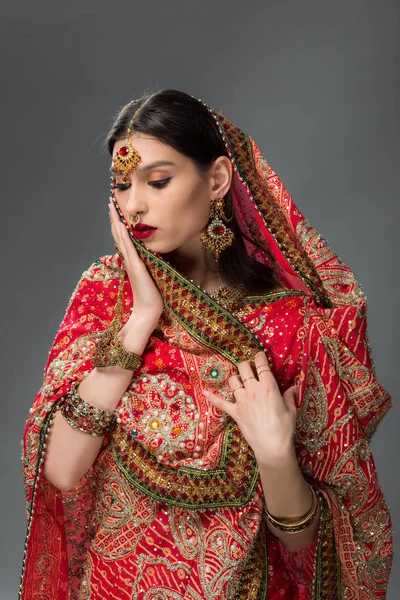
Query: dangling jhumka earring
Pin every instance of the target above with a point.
(217, 236)
(127, 157)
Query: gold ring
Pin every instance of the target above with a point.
(263, 371)
(238, 388)
(246, 378)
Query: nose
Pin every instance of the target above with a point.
(136, 202)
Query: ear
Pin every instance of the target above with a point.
(221, 176)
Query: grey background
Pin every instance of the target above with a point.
(315, 83)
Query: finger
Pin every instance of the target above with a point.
(290, 398)
(263, 368)
(246, 372)
(261, 360)
(236, 386)
(221, 403)
(123, 241)
(114, 220)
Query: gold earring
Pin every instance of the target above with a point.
(217, 236)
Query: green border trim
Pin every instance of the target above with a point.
(209, 475)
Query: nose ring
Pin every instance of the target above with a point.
(134, 220)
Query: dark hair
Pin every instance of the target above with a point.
(182, 122)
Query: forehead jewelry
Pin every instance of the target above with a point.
(127, 157)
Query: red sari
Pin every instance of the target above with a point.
(172, 507)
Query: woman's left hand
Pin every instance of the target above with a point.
(266, 419)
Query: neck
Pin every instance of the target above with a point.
(197, 264)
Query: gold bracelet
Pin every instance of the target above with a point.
(84, 416)
(301, 524)
(109, 352)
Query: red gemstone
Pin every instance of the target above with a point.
(124, 151)
(219, 230)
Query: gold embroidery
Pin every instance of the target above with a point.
(231, 484)
(312, 415)
(339, 283)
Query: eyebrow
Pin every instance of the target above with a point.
(147, 168)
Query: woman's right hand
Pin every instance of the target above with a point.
(148, 302)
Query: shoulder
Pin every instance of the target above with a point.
(103, 268)
(274, 300)
(99, 274)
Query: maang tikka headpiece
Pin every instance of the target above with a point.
(127, 157)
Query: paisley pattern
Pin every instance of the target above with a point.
(173, 505)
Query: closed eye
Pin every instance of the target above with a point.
(159, 183)
(120, 186)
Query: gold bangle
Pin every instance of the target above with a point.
(110, 352)
(301, 524)
(84, 416)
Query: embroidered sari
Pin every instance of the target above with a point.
(172, 507)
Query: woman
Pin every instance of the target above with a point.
(204, 422)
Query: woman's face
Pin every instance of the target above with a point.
(174, 197)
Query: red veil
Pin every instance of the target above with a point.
(87, 535)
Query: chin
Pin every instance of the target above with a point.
(157, 247)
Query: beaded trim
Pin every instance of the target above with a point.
(327, 566)
(31, 509)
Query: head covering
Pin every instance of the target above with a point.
(340, 401)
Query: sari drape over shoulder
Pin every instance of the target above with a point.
(172, 508)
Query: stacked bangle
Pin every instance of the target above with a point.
(84, 416)
(301, 524)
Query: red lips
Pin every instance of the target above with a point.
(143, 231)
(143, 227)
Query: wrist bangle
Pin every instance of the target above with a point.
(110, 352)
(300, 524)
(84, 416)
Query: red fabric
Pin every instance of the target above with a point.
(62, 530)
(119, 534)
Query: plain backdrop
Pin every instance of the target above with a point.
(315, 83)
